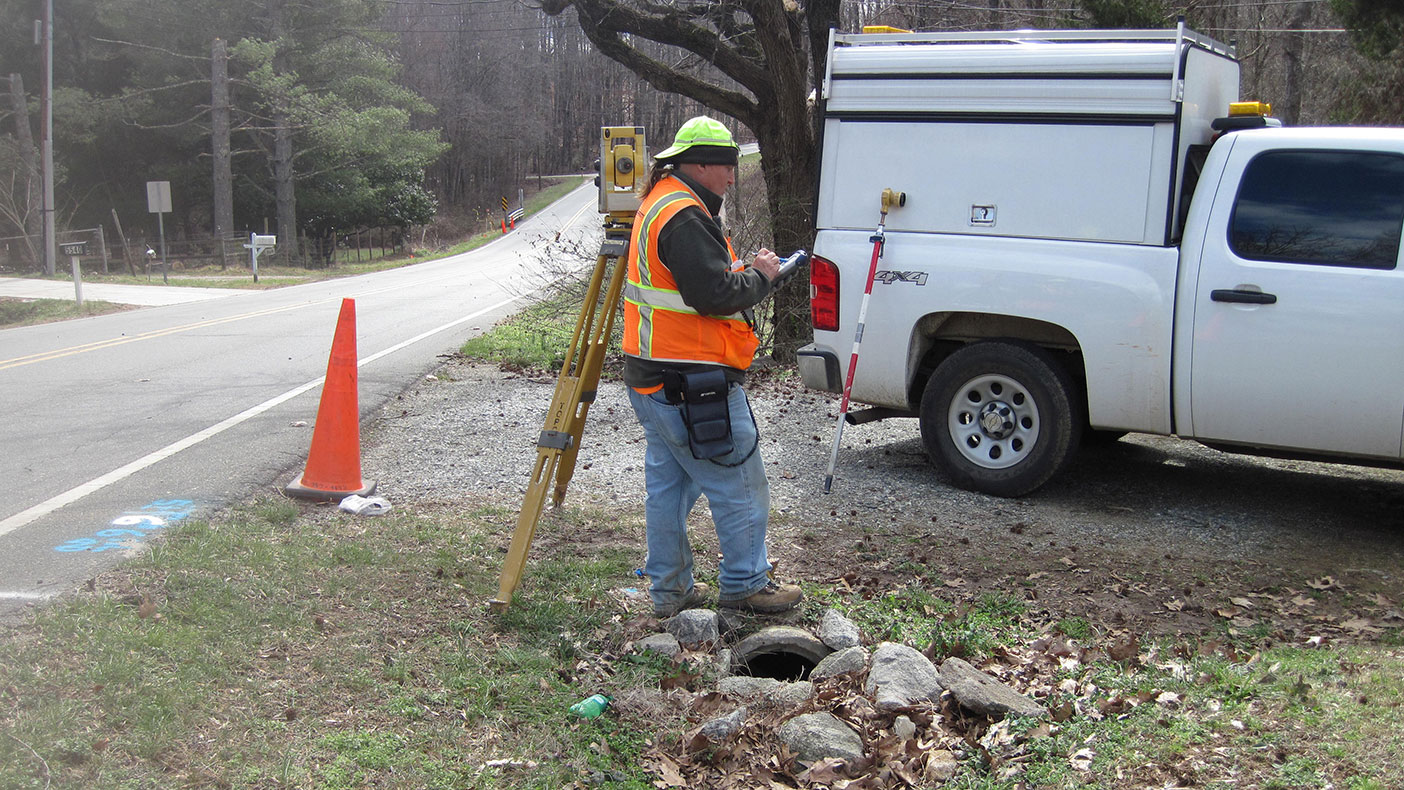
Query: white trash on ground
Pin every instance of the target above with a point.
(366, 506)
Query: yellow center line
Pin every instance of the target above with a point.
(97, 345)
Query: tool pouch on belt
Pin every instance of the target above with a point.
(705, 412)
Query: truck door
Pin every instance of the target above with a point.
(1298, 335)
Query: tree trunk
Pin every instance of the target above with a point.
(283, 191)
(1290, 108)
(219, 140)
(24, 137)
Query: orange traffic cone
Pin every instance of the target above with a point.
(334, 463)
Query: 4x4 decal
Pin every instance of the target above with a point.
(890, 277)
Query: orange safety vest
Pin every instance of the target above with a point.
(658, 325)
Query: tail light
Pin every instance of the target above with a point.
(823, 294)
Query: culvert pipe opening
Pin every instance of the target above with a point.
(781, 665)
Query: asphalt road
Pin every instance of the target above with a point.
(118, 425)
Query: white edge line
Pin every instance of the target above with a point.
(76, 493)
(26, 596)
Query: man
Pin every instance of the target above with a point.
(688, 340)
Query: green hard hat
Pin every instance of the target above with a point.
(702, 140)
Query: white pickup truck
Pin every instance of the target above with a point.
(1088, 247)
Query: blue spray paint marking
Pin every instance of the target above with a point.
(130, 528)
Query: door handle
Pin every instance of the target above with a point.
(1242, 297)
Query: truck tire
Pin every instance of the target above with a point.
(999, 417)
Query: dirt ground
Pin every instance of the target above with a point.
(1148, 534)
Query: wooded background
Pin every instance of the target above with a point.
(343, 115)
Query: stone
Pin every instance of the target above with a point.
(781, 639)
(851, 659)
(903, 728)
(941, 766)
(747, 688)
(983, 694)
(815, 736)
(766, 690)
(900, 676)
(723, 661)
(792, 694)
(837, 631)
(667, 644)
(719, 729)
(694, 627)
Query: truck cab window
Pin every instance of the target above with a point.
(1334, 208)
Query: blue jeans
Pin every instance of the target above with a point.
(739, 497)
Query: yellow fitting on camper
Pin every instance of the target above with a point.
(891, 197)
(883, 29)
(1259, 108)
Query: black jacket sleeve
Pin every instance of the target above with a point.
(693, 248)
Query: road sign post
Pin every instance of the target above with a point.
(158, 202)
(74, 249)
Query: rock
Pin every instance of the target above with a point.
(850, 659)
(766, 690)
(694, 627)
(747, 688)
(903, 727)
(667, 644)
(792, 694)
(837, 631)
(900, 676)
(724, 662)
(941, 766)
(722, 728)
(815, 736)
(781, 639)
(983, 694)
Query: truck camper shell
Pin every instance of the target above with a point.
(1075, 135)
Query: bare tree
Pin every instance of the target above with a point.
(765, 58)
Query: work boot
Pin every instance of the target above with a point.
(773, 598)
(695, 597)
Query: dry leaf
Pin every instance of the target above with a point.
(1125, 651)
(1241, 601)
(668, 770)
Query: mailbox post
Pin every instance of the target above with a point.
(257, 246)
(73, 250)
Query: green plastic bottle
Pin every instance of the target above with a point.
(590, 707)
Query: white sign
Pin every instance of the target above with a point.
(158, 197)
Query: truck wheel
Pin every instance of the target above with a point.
(998, 417)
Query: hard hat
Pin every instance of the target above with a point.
(701, 140)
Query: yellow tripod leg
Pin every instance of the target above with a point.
(559, 442)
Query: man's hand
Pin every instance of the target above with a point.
(767, 263)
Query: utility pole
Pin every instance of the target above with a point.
(219, 140)
(47, 153)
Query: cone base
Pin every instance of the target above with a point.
(297, 489)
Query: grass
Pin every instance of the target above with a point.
(25, 312)
(296, 646)
(307, 650)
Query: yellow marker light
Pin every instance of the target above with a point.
(1240, 108)
(883, 29)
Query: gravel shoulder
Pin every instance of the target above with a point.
(1149, 534)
